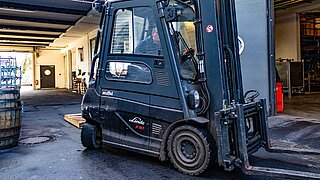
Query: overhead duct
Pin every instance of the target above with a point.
(284, 4)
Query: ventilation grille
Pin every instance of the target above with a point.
(156, 129)
(162, 78)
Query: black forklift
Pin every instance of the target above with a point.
(166, 81)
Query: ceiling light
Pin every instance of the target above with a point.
(16, 10)
(82, 1)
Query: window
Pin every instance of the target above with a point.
(135, 32)
(185, 44)
(92, 47)
(183, 32)
(125, 71)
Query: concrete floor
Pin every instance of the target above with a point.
(65, 158)
(306, 106)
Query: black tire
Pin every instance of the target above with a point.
(189, 150)
(91, 136)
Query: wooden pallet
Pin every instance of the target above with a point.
(75, 119)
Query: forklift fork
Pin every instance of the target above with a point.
(243, 151)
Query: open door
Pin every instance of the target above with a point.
(255, 27)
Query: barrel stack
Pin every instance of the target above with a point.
(10, 103)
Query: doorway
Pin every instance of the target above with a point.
(47, 76)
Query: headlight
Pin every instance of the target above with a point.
(193, 99)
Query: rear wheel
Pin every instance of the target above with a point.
(189, 150)
(91, 136)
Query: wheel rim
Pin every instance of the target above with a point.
(98, 136)
(188, 150)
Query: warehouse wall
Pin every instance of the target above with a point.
(51, 57)
(80, 62)
(287, 37)
(77, 62)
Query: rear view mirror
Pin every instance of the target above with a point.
(178, 12)
(98, 5)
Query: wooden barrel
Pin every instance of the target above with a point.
(10, 117)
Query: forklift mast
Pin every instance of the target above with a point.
(217, 41)
(241, 123)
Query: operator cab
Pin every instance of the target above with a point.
(146, 82)
(141, 69)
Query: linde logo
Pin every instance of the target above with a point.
(137, 120)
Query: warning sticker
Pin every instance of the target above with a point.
(209, 28)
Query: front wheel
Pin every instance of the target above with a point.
(91, 136)
(189, 150)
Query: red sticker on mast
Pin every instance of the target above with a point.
(209, 28)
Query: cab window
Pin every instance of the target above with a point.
(135, 32)
(130, 72)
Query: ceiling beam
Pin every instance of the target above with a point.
(38, 20)
(18, 45)
(29, 34)
(31, 7)
(311, 15)
(31, 28)
(26, 39)
(284, 4)
(24, 44)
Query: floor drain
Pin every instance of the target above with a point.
(36, 140)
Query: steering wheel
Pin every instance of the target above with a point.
(251, 98)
